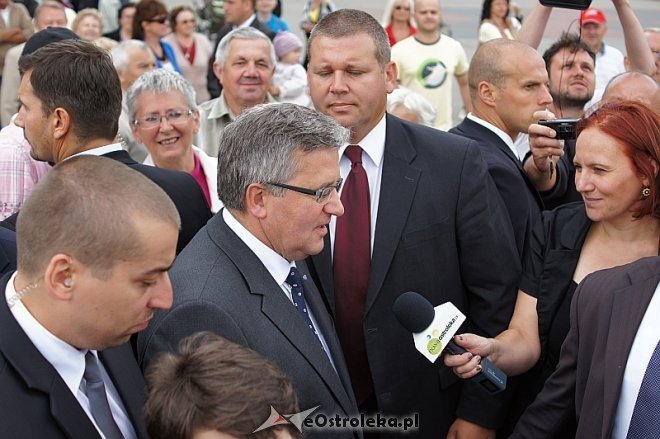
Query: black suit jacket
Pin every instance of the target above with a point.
(35, 401)
(442, 231)
(181, 188)
(606, 312)
(7, 251)
(521, 199)
(213, 84)
(221, 286)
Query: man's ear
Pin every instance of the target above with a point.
(61, 123)
(487, 93)
(255, 200)
(217, 71)
(60, 276)
(391, 74)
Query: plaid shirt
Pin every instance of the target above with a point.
(18, 171)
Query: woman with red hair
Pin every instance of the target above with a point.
(617, 160)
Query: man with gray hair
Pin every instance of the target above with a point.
(131, 59)
(244, 277)
(244, 64)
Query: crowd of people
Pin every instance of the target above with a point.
(203, 236)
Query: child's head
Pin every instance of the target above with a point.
(288, 47)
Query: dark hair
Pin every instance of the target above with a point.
(175, 13)
(349, 22)
(212, 383)
(123, 8)
(485, 10)
(567, 40)
(79, 77)
(144, 11)
(636, 126)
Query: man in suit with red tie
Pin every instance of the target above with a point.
(92, 267)
(421, 214)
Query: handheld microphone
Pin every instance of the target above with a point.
(433, 331)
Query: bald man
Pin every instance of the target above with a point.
(508, 83)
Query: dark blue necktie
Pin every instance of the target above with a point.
(645, 421)
(98, 401)
(298, 296)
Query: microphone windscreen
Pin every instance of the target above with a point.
(413, 311)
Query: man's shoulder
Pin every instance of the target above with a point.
(425, 138)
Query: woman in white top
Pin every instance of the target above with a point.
(495, 21)
(164, 118)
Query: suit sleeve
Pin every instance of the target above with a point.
(555, 405)
(490, 268)
(183, 321)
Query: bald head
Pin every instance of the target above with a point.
(494, 60)
(632, 86)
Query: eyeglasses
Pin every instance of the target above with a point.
(399, 7)
(173, 117)
(322, 195)
(161, 20)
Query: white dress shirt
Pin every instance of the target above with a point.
(648, 335)
(69, 363)
(501, 134)
(277, 266)
(373, 146)
(101, 150)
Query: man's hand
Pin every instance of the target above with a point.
(462, 429)
(546, 150)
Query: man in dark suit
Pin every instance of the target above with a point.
(277, 178)
(92, 268)
(238, 13)
(7, 251)
(71, 101)
(428, 219)
(604, 358)
(507, 81)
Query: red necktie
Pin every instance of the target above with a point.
(351, 267)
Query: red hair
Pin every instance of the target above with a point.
(637, 127)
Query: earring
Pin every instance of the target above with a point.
(646, 192)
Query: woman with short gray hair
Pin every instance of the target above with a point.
(164, 117)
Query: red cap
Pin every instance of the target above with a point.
(592, 15)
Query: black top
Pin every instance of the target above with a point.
(549, 263)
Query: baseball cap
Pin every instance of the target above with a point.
(592, 15)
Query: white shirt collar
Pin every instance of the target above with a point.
(277, 266)
(501, 134)
(101, 150)
(373, 143)
(68, 361)
(247, 22)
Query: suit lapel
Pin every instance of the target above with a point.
(277, 308)
(38, 374)
(397, 191)
(470, 129)
(321, 264)
(122, 368)
(327, 328)
(628, 308)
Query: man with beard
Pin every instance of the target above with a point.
(571, 71)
